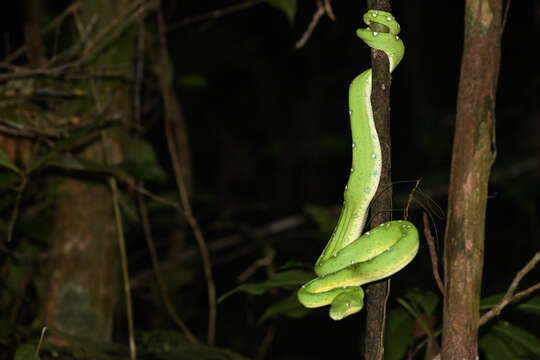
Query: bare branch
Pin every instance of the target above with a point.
(169, 307)
(323, 7)
(433, 253)
(510, 295)
(214, 14)
(171, 109)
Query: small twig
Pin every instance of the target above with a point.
(261, 262)
(505, 16)
(43, 331)
(322, 8)
(329, 10)
(138, 73)
(215, 14)
(433, 254)
(180, 182)
(15, 213)
(125, 271)
(266, 342)
(228, 242)
(510, 296)
(409, 200)
(169, 307)
(69, 10)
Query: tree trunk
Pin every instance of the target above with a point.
(473, 155)
(82, 277)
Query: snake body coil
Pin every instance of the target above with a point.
(351, 259)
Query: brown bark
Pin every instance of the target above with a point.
(82, 281)
(472, 158)
(82, 277)
(377, 293)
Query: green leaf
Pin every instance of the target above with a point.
(294, 264)
(6, 162)
(287, 6)
(490, 301)
(8, 178)
(7, 328)
(495, 348)
(69, 161)
(399, 334)
(531, 305)
(322, 217)
(142, 162)
(26, 352)
(192, 81)
(290, 306)
(76, 140)
(518, 337)
(287, 279)
(421, 299)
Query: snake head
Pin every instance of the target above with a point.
(382, 34)
(376, 18)
(347, 303)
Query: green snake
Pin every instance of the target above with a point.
(351, 259)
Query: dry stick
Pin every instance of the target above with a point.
(109, 33)
(157, 271)
(43, 331)
(15, 213)
(322, 8)
(69, 10)
(138, 76)
(93, 45)
(215, 14)
(509, 296)
(433, 254)
(180, 183)
(266, 343)
(409, 200)
(329, 10)
(125, 271)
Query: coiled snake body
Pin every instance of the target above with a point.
(351, 259)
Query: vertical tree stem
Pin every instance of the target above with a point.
(377, 293)
(472, 157)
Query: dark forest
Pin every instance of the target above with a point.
(172, 170)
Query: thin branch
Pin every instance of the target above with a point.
(266, 343)
(42, 336)
(87, 46)
(510, 295)
(409, 200)
(323, 7)
(125, 271)
(169, 307)
(232, 241)
(329, 10)
(505, 16)
(433, 254)
(215, 14)
(180, 182)
(69, 10)
(264, 261)
(15, 213)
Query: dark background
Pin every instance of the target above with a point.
(269, 131)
